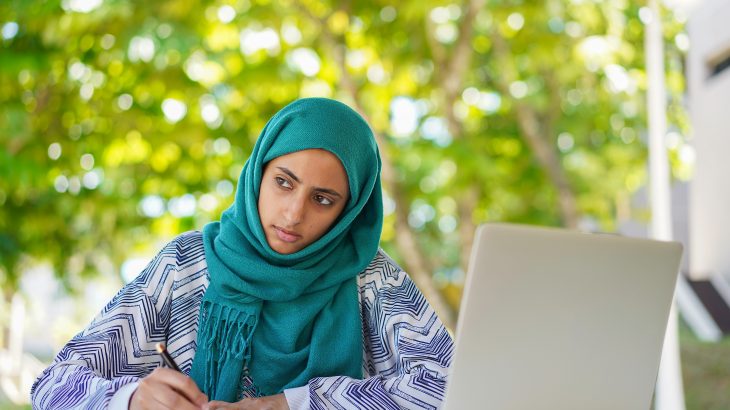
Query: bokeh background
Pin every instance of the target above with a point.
(124, 123)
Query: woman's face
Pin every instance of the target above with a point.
(301, 195)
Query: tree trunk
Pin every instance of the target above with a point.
(451, 79)
(416, 263)
(537, 136)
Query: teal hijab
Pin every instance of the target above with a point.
(285, 319)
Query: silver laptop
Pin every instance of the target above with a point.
(560, 320)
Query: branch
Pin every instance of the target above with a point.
(554, 109)
(451, 79)
(416, 262)
(461, 58)
(451, 70)
(534, 133)
(438, 52)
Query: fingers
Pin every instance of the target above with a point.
(216, 405)
(183, 384)
(245, 404)
(159, 396)
(167, 398)
(275, 402)
(167, 389)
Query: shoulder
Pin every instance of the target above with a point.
(184, 255)
(185, 248)
(189, 254)
(381, 262)
(383, 270)
(191, 240)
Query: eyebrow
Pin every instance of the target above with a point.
(295, 178)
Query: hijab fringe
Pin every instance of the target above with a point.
(227, 334)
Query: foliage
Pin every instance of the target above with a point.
(131, 120)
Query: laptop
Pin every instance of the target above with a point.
(559, 320)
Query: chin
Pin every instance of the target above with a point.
(285, 248)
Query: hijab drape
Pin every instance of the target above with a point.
(285, 319)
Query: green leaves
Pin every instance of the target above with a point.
(130, 121)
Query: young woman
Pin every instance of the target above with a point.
(287, 302)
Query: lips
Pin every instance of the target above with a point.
(286, 236)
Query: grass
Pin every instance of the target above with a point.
(705, 372)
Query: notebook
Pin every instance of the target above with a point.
(559, 320)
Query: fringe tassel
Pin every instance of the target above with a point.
(227, 336)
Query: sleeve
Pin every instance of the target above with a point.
(407, 349)
(117, 348)
(120, 400)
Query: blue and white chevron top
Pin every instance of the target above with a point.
(406, 349)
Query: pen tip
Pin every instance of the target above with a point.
(160, 347)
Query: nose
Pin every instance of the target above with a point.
(294, 210)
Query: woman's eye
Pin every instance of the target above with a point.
(322, 200)
(282, 182)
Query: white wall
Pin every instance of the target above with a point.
(709, 105)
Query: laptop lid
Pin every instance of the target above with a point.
(557, 319)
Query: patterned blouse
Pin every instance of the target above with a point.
(406, 349)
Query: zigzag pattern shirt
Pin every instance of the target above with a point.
(406, 349)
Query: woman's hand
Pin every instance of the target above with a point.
(276, 402)
(167, 389)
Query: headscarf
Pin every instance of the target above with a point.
(287, 318)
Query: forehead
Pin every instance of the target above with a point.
(313, 166)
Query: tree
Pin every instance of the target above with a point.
(124, 121)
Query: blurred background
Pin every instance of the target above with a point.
(125, 123)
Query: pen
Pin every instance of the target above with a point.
(162, 350)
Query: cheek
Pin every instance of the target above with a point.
(264, 205)
(326, 221)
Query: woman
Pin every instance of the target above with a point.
(287, 302)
